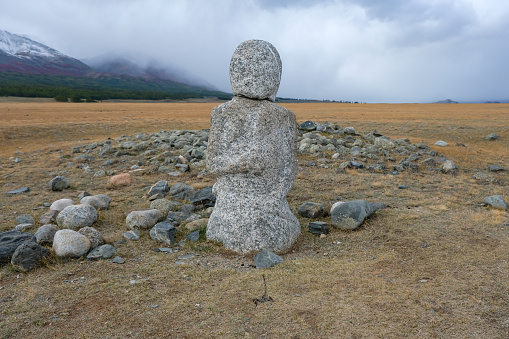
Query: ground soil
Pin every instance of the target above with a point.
(433, 264)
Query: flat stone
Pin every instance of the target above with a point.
(24, 227)
(132, 235)
(441, 143)
(19, 190)
(266, 259)
(102, 252)
(118, 260)
(492, 136)
(495, 168)
(318, 227)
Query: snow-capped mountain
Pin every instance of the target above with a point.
(22, 55)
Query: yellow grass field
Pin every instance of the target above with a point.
(434, 264)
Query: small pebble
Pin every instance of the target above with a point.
(402, 187)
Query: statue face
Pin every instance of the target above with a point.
(255, 70)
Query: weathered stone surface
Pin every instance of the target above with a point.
(99, 201)
(23, 227)
(312, 210)
(495, 168)
(95, 237)
(252, 152)
(164, 205)
(102, 252)
(60, 204)
(351, 214)
(266, 259)
(182, 191)
(143, 219)
(496, 201)
(307, 126)
(77, 216)
(196, 224)
(25, 219)
(45, 234)
(161, 187)
(9, 241)
(59, 183)
(193, 236)
(204, 197)
(20, 190)
(48, 217)
(123, 179)
(318, 227)
(492, 136)
(449, 167)
(69, 243)
(164, 232)
(132, 235)
(28, 256)
(255, 70)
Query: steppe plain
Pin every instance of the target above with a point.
(434, 264)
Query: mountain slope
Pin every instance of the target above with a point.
(22, 55)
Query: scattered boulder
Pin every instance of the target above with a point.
(164, 205)
(441, 143)
(143, 219)
(492, 136)
(266, 259)
(95, 237)
(102, 252)
(495, 168)
(161, 187)
(312, 210)
(496, 201)
(449, 167)
(60, 204)
(164, 232)
(9, 241)
(28, 256)
(69, 243)
(25, 219)
(48, 218)
(99, 201)
(182, 191)
(123, 179)
(351, 214)
(45, 234)
(318, 227)
(59, 183)
(77, 216)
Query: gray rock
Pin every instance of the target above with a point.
(28, 256)
(496, 201)
(178, 216)
(25, 219)
(9, 241)
(45, 234)
(193, 236)
(255, 70)
(492, 136)
(312, 210)
(351, 214)
(187, 208)
(48, 218)
(164, 232)
(318, 227)
(441, 143)
(99, 201)
(60, 204)
(132, 235)
(203, 197)
(77, 216)
(69, 243)
(23, 227)
(266, 259)
(143, 219)
(495, 168)
(95, 237)
(19, 190)
(118, 260)
(102, 252)
(449, 167)
(307, 126)
(181, 191)
(59, 183)
(161, 187)
(164, 205)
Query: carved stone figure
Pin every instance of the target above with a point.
(252, 152)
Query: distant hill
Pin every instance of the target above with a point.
(446, 101)
(31, 69)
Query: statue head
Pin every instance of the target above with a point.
(255, 70)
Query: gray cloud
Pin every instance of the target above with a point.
(364, 50)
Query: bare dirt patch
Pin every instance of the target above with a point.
(433, 264)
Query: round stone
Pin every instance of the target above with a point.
(255, 70)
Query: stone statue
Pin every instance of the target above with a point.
(252, 152)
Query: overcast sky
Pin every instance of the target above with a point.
(359, 50)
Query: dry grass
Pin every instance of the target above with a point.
(433, 264)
